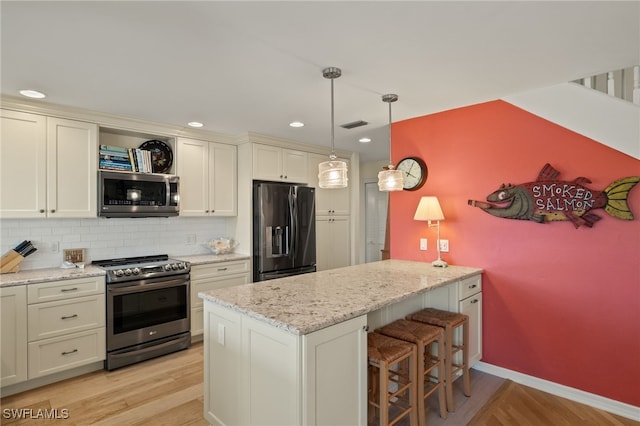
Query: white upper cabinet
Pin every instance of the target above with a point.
(329, 202)
(48, 166)
(23, 161)
(71, 168)
(279, 164)
(208, 178)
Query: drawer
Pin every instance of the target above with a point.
(57, 318)
(59, 290)
(212, 284)
(470, 286)
(62, 353)
(212, 270)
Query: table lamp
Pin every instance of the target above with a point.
(429, 210)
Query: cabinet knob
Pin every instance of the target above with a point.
(53, 210)
(474, 301)
(206, 211)
(281, 176)
(41, 210)
(473, 286)
(285, 176)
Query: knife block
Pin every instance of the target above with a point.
(10, 262)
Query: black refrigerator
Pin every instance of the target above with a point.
(284, 230)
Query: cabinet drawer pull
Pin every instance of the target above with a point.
(69, 289)
(222, 269)
(70, 352)
(41, 210)
(473, 286)
(69, 317)
(474, 301)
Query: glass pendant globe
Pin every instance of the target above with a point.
(332, 174)
(390, 180)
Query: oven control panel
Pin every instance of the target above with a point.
(125, 273)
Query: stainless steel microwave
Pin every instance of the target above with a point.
(126, 194)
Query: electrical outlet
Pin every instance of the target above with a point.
(55, 247)
(74, 255)
(423, 244)
(444, 246)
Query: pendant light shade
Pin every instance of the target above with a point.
(390, 179)
(332, 174)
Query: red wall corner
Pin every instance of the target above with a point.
(559, 303)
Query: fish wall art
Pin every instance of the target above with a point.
(549, 199)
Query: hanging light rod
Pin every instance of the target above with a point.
(390, 179)
(332, 174)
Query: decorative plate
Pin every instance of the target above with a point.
(161, 155)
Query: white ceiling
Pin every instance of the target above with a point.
(256, 66)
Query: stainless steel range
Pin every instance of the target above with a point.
(148, 308)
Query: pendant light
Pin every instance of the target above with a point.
(390, 179)
(332, 174)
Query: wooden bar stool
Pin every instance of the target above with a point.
(424, 336)
(391, 360)
(450, 321)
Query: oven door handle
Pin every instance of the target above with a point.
(137, 288)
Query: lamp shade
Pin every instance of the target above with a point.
(429, 209)
(390, 180)
(332, 174)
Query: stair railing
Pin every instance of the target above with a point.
(623, 84)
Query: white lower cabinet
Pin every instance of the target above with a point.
(257, 374)
(66, 325)
(210, 277)
(13, 340)
(333, 248)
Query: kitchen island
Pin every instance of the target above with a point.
(292, 351)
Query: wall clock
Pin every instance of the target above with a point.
(414, 171)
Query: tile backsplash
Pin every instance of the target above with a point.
(109, 238)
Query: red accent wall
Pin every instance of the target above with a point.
(561, 304)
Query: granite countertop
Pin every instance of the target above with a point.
(56, 274)
(305, 303)
(202, 259)
(48, 274)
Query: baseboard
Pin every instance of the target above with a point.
(612, 406)
(51, 378)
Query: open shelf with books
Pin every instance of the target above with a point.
(132, 151)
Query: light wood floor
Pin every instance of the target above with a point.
(168, 391)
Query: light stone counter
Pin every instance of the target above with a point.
(203, 259)
(302, 304)
(48, 274)
(43, 275)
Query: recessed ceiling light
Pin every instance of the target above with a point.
(364, 140)
(32, 94)
(296, 124)
(195, 124)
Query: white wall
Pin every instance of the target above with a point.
(109, 238)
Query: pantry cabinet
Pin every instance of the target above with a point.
(333, 247)
(48, 166)
(13, 340)
(210, 277)
(208, 178)
(279, 164)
